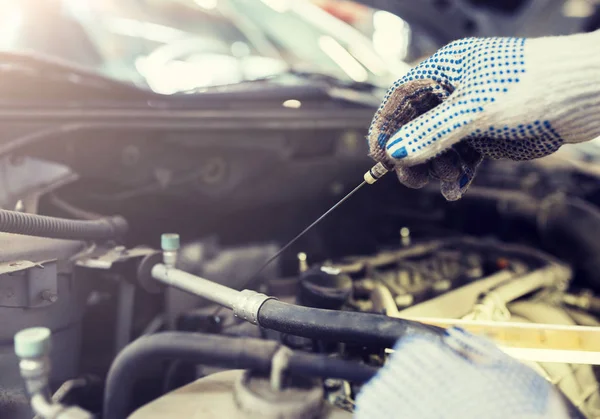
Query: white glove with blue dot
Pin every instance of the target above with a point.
(512, 98)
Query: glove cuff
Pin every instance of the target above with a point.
(568, 69)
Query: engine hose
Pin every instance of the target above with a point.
(364, 329)
(216, 351)
(569, 227)
(312, 365)
(61, 228)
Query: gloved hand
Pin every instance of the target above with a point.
(495, 97)
(458, 375)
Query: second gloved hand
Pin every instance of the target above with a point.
(511, 98)
(458, 375)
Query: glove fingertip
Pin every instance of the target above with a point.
(395, 122)
(446, 167)
(414, 177)
(451, 190)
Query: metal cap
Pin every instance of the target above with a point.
(169, 241)
(33, 342)
(301, 398)
(375, 173)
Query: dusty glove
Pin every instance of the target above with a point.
(502, 98)
(458, 376)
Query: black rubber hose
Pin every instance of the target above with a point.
(203, 349)
(61, 228)
(213, 350)
(312, 365)
(340, 326)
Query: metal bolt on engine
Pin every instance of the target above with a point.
(405, 236)
(302, 262)
(49, 296)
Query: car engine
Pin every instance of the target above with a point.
(140, 274)
(136, 332)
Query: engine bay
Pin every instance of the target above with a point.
(137, 230)
(341, 295)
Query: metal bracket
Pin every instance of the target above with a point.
(106, 259)
(115, 263)
(28, 284)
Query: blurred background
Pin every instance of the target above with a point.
(180, 45)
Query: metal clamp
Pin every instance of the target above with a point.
(279, 365)
(248, 303)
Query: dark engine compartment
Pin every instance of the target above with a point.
(387, 241)
(237, 173)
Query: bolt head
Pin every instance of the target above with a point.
(33, 342)
(49, 296)
(169, 241)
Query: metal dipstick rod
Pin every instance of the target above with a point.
(370, 177)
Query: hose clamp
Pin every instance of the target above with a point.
(248, 304)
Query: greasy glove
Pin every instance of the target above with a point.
(496, 97)
(458, 376)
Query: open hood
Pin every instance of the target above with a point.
(463, 18)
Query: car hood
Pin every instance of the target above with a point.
(525, 18)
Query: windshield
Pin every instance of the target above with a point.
(178, 45)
